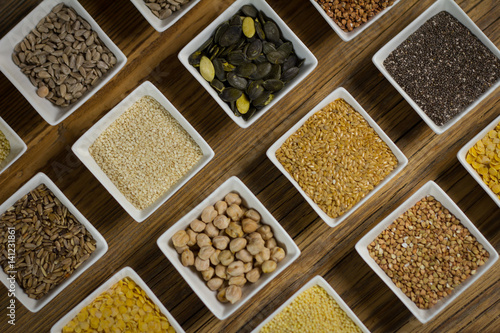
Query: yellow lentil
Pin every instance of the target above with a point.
(484, 157)
(123, 308)
(315, 311)
(4, 147)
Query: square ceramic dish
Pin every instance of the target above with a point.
(320, 281)
(101, 246)
(462, 154)
(430, 188)
(344, 94)
(162, 25)
(300, 49)
(193, 277)
(81, 149)
(452, 8)
(50, 112)
(123, 273)
(17, 145)
(347, 36)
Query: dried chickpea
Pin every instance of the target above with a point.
(244, 255)
(255, 246)
(262, 256)
(181, 249)
(214, 283)
(201, 265)
(254, 235)
(206, 252)
(268, 266)
(197, 225)
(221, 221)
(265, 232)
(208, 274)
(187, 258)
(249, 225)
(232, 198)
(234, 212)
(180, 238)
(220, 271)
(253, 275)
(237, 244)
(235, 268)
(214, 258)
(208, 214)
(226, 257)
(234, 230)
(211, 230)
(237, 281)
(247, 267)
(233, 294)
(220, 242)
(192, 237)
(253, 214)
(277, 254)
(203, 240)
(271, 243)
(220, 207)
(221, 295)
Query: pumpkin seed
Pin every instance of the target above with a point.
(246, 69)
(254, 49)
(290, 74)
(273, 85)
(255, 89)
(217, 85)
(219, 69)
(248, 27)
(236, 81)
(243, 104)
(230, 94)
(249, 10)
(230, 36)
(207, 69)
(272, 31)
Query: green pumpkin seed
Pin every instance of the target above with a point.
(237, 57)
(230, 94)
(207, 69)
(262, 71)
(194, 59)
(219, 69)
(259, 30)
(276, 57)
(249, 10)
(255, 89)
(290, 74)
(268, 47)
(260, 59)
(272, 32)
(217, 85)
(235, 20)
(248, 27)
(243, 104)
(254, 49)
(273, 85)
(227, 66)
(264, 99)
(250, 113)
(230, 36)
(262, 17)
(246, 69)
(290, 62)
(275, 73)
(236, 81)
(286, 48)
(221, 29)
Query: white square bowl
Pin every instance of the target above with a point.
(50, 112)
(17, 145)
(81, 149)
(300, 50)
(319, 281)
(452, 8)
(193, 277)
(344, 94)
(101, 246)
(430, 188)
(123, 273)
(347, 36)
(462, 155)
(162, 25)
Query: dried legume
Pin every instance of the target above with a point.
(443, 67)
(485, 159)
(427, 252)
(125, 307)
(336, 157)
(145, 152)
(4, 147)
(313, 310)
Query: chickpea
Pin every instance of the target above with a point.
(247, 267)
(221, 221)
(249, 225)
(237, 281)
(187, 258)
(265, 232)
(208, 214)
(221, 295)
(180, 238)
(220, 242)
(244, 256)
(220, 271)
(214, 258)
(214, 283)
(268, 266)
(253, 275)
(208, 274)
(226, 257)
(235, 268)
(233, 294)
(197, 225)
(271, 243)
(181, 249)
(234, 230)
(232, 198)
(203, 240)
(211, 230)
(220, 207)
(253, 214)
(201, 265)
(206, 252)
(263, 255)
(254, 235)
(237, 244)
(255, 246)
(192, 237)
(234, 212)
(277, 254)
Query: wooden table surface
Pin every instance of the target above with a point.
(326, 251)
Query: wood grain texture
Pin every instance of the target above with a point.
(325, 251)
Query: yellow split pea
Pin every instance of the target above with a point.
(123, 308)
(484, 157)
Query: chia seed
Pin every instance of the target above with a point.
(443, 67)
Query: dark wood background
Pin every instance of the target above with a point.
(325, 251)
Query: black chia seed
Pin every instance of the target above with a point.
(443, 67)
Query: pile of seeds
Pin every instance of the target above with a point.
(314, 310)
(145, 152)
(229, 246)
(247, 61)
(427, 252)
(485, 159)
(50, 243)
(4, 147)
(123, 308)
(164, 8)
(350, 14)
(336, 157)
(63, 57)
(443, 67)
